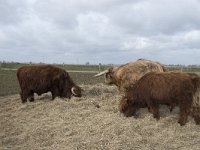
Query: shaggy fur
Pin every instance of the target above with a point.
(129, 73)
(169, 88)
(44, 78)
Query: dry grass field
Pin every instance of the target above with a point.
(89, 123)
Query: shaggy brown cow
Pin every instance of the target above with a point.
(169, 88)
(44, 78)
(129, 73)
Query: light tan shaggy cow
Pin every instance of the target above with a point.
(129, 73)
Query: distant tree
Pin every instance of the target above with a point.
(87, 63)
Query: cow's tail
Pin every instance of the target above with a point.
(195, 108)
(18, 74)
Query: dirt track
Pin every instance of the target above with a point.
(91, 122)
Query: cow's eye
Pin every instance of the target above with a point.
(109, 76)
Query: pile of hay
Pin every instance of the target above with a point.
(91, 122)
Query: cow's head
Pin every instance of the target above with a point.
(128, 107)
(109, 75)
(76, 91)
(72, 91)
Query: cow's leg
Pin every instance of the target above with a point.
(184, 112)
(24, 96)
(195, 112)
(183, 117)
(31, 96)
(154, 109)
(197, 119)
(53, 95)
(55, 92)
(171, 108)
(156, 113)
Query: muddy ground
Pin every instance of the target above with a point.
(89, 123)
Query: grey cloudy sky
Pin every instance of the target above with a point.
(100, 31)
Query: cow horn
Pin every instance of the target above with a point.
(73, 90)
(102, 73)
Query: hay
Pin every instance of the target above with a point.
(91, 122)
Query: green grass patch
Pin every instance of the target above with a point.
(9, 83)
(84, 67)
(70, 67)
(184, 69)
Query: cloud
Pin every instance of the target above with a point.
(106, 31)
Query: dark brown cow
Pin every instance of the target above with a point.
(169, 88)
(45, 78)
(129, 73)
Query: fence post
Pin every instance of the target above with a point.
(99, 67)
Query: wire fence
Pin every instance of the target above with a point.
(9, 84)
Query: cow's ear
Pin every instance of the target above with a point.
(66, 75)
(108, 75)
(110, 70)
